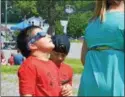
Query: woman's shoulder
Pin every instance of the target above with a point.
(116, 18)
(115, 14)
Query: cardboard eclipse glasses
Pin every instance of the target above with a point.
(37, 37)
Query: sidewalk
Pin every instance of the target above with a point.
(9, 85)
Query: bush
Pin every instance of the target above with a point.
(78, 23)
(58, 28)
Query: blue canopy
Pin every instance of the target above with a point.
(20, 26)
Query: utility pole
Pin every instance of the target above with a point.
(0, 41)
(0, 26)
(0, 18)
(6, 17)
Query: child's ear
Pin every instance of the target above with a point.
(32, 46)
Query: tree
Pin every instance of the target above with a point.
(78, 23)
(51, 10)
(25, 8)
(58, 28)
(83, 5)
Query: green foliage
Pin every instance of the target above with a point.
(44, 8)
(76, 41)
(25, 8)
(77, 24)
(83, 5)
(52, 10)
(16, 33)
(58, 28)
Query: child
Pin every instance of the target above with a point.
(37, 75)
(11, 60)
(58, 55)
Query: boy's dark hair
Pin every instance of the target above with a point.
(62, 43)
(22, 40)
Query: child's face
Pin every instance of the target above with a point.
(44, 44)
(57, 57)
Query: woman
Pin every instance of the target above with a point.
(3, 59)
(102, 51)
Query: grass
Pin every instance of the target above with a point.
(74, 63)
(9, 69)
(75, 41)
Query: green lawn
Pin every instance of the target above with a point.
(9, 69)
(75, 41)
(74, 63)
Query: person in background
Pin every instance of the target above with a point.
(103, 51)
(18, 58)
(3, 59)
(58, 55)
(11, 60)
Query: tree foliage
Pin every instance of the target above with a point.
(58, 28)
(53, 11)
(77, 24)
(25, 8)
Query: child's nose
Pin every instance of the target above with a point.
(60, 58)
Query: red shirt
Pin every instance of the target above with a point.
(11, 60)
(38, 78)
(65, 74)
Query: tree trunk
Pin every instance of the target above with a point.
(51, 17)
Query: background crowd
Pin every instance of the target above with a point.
(14, 59)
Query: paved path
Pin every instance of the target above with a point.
(9, 85)
(75, 50)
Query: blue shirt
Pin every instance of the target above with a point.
(18, 59)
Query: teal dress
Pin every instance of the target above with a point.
(103, 73)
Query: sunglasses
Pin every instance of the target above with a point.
(36, 37)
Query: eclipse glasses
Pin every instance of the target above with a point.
(37, 37)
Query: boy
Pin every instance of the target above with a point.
(58, 55)
(37, 75)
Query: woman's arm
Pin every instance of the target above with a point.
(83, 52)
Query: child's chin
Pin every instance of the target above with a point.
(52, 46)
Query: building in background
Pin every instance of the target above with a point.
(38, 21)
